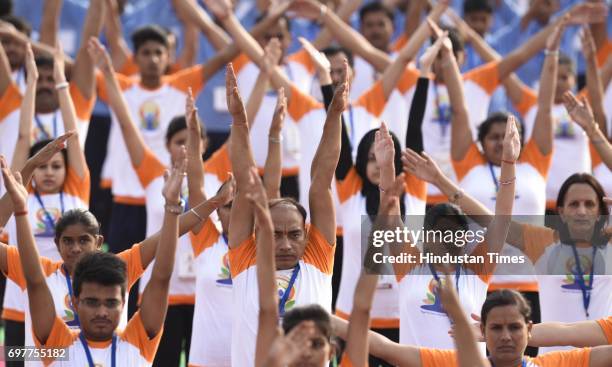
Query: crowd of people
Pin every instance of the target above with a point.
(205, 195)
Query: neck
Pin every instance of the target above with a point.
(583, 244)
(46, 108)
(150, 82)
(96, 338)
(512, 363)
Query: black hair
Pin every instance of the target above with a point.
(41, 144)
(292, 202)
(44, 62)
(368, 189)
(151, 32)
(19, 23)
(375, 7)
(314, 313)
(455, 38)
(335, 50)
(470, 6)
(584, 178)
(77, 216)
(284, 17)
(444, 211)
(564, 59)
(496, 118)
(505, 297)
(6, 7)
(179, 123)
(100, 268)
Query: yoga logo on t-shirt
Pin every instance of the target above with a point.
(572, 273)
(149, 115)
(68, 317)
(225, 277)
(564, 127)
(432, 301)
(282, 282)
(43, 226)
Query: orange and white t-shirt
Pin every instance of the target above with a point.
(386, 304)
(44, 126)
(134, 347)
(150, 173)
(300, 70)
(557, 275)
(58, 287)
(573, 358)
(478, 86)
(423, 321)
(365, 75)
(312, 286)
(151, 111)
(75, 195)
(19, 79)
(606, 327)
(211, 338)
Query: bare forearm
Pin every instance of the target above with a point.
(273, 168)
(595, 91)
(241, 154)
(257, 96)
(328, 151)
(602, 146)
(543, 130)
(468, 353)
(344, 12)
(49, 24)
(24, 139)
(461, 133)
(83, 73)
(5, 71)
(578, 334)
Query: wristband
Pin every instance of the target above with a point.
(61, 85)
(192, 211)
(548, 52)
(322, 12)
(275, 140)
(507, 161)
(510, 181)
(21, 213)
(456, 196)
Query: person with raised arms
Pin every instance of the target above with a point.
(304, 255)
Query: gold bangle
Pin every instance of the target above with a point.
(196, 214)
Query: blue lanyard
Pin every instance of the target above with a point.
(352, 123)
(283, 301)
(493, 177)
(441, 115)
(586, 290)
(225, 238)
(523, 362)
(42, 128)
(70, 292)
(48, 217)
(437, 277)
(88, 352)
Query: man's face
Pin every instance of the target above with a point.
(99, 308)
(377, 28)
(480, 21)
(152, 59)
(15, 52)
(337, 69)
(46, 95)
(544, 9)
(279, 30)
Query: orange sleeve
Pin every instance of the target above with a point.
(595, 157)
(346, 361)
(60, 337)
(219, 164)
(204, 239)
(78, 186)
(529, 98)
(82, 106)
(571, 358)
(606, 327)
(129, 67)
(415, 187)
(438, 357)
(604, 53)
(136, 335)
(149, 169)
(242, 257)
(486, 76)
(402, 269)
(10, 101)
(192, 77)
(400, 42)
(536, 239)
(408, 80)
(485, 270)
(301, 57)
(124, 83)
(319, 252)
(133, 262)
(14, 271)
(472, 158)
(300, 104)
(531, 155)
(240, 62)
(350, 186)
(373, 100)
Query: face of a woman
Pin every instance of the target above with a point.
(74, 242)
(580, 211)
(506, 333)
(372, 169)
(317, 355)
(493, 143)
(50, 176)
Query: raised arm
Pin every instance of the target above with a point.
(324, 165)
(83, 70)
(593, 80)
(26, 113)
(5, 71)
(191, 43)
(344, 11)
(42, 307)
(241, 157)
(274, 159)
(76, 156)
(133, 140)
(581, 113)
(577, 334)
(49, 25)
(190, 12)
(119, 50)
(543, 133)
(155, 295)
(272, 57)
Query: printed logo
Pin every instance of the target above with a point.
(39, 134)
(564, 127)
(68, 317)
(225, 277)
(42, 226)
(432, 301)
(442, 114)
(282, 282)
(572, 274)
(149, 115)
